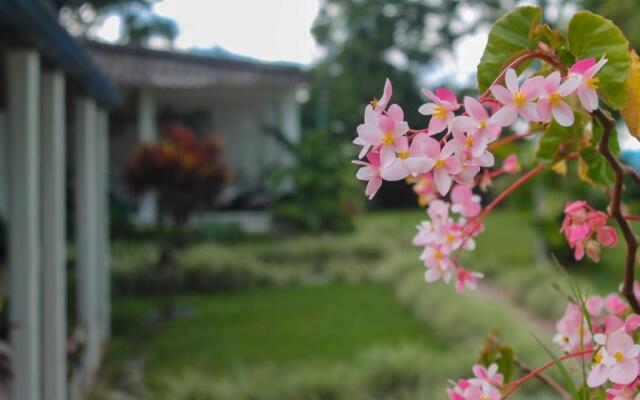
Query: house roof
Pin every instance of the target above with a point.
(131, 66)
(35, 23)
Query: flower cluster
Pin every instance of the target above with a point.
(392, 151)
(484, 386)
(586, 230)
(608, 332)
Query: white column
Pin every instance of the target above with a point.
(86, 221)
(147, 132)
(104, 236)
(52, 201)
(24, 222)
(4, 166)
(290, 120)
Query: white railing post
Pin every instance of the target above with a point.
(86, 230)
(53, 205)
(23, 68)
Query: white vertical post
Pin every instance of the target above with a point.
(86, 229)
(104, 210)
(52, 201)
(24, 222)
(147, 132)
(290, 122)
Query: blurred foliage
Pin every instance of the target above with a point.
(138, 22)
(316, 191)
(624, 13)
(185, 173)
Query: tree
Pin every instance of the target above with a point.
(139, 25)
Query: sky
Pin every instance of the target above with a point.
(279, 30)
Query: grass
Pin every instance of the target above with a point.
(344, 302)
(317, 325)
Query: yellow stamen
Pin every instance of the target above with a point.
(555, 99)
(437, 255)
(387, 139)
(597, 358)
(593, 83)
(403, 155)
(440, 112)
(469, 141)
(484, 397)
(618, 356)
(374, 103)
(565, 339)
(483, 124)
(439, 164)
(519, 98)
(450, 238)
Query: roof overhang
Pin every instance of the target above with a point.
(35, 23)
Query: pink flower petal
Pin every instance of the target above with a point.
(505, 116)
(597, 376)
(563, 114)
(427, 109)
(511, 80)
(475, 109)
(395, 171)
(624, 372)
(437, 125)
(442, 179)
(582, 66)
(544, 110)
(396, 113)
(502, 94)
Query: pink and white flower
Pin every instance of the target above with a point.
(409, 159)
(517, 100)
(511, 165)
(585, 71)
(370, 172)
(477, 122)
(382, 130)
(441, 110)
(487, 375)
(465, 202)
(552, 95)
(468, 279)
(379, 105)
(616, 360)
(446, 165)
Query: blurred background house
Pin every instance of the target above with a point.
(236, 97)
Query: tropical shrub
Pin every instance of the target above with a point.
(566, 88)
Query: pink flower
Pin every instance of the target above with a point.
(516, 100)
(615, 305)
(370, 172)
(381, 104)
(616, 361)
(551, 101)
(468, 279)
(623, 392)
(587, 230)
(571, 330)
(465, 202)
(425, 189)
(410, 159)
(585, 70)
(594, 305)
(446, 165)
(484, 392)
(477, 122)
(382, 130)
(438, 263)
(489, 375)
(510, 165)
(473, 144)
(441, 110)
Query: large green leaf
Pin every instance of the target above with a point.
(555, 135)
(598, 169)
(591, 35)
(509, 37)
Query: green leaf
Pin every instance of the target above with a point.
(509, 37)
(591, 35)
(566, 378)
(598, 169)
(506, 363)
(550, 143)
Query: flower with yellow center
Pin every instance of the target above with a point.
(403, 155)
(519, 98)
(618, 356)
(483, 124)
(437, 255)
(469, 141)
(440, 112)
(439, 164)
(593, 83)
(597, 359)
(555, 99)
(387, 139)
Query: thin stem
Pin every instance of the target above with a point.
(525, 57)
(615, 209)
(513, 386)
(547, 380)
(521, 181)
(509, 139)
(632, 217)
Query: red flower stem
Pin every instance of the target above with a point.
(496, 173)
(517, 62)
(513, 386)
(509, 139)
(521, 181)
(630, 217)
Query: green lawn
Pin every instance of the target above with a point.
(316, 325)
(355, 303)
